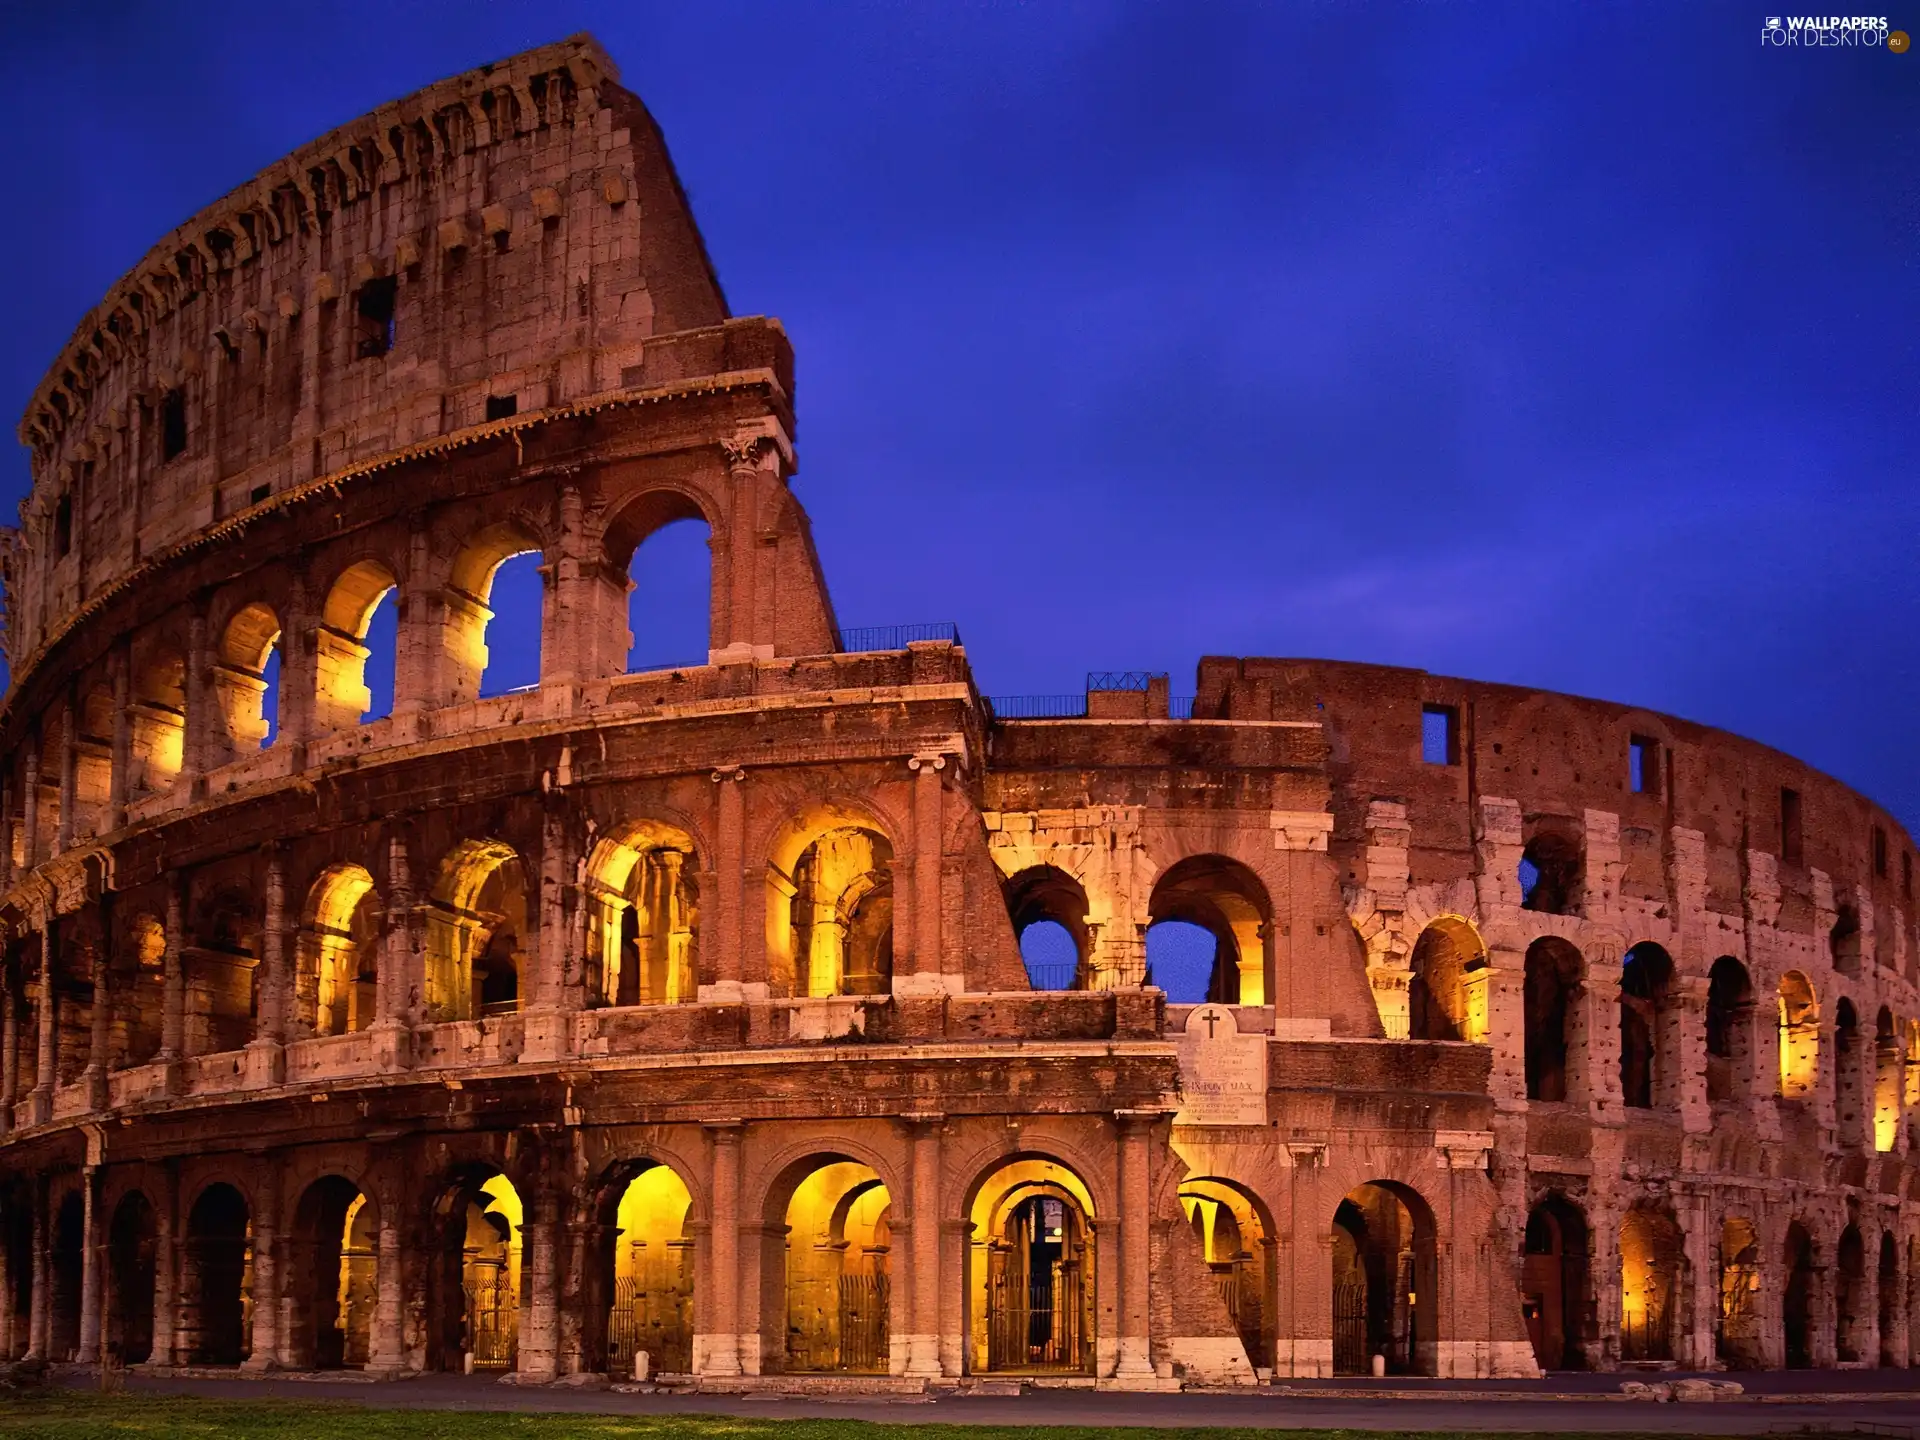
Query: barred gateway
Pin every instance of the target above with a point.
(685, 1012)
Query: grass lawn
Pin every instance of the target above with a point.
(83, 1415)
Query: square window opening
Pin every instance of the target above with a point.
(502, 407)
(173, 424)
(1439, 735)
(373, 317)
(1643, 765)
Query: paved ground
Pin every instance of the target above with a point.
(1848, 1402)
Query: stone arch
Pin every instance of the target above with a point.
(248, 642)
(1045, 895)
(1737, 1337)
(1552, 980)
(132, 1259)
(1799, 1036)
(473, 1283)
(1226, 899)
(221, 964)
(1386, 1295)
(66, 1267)
(341, 695)
(158, 723)
(638, 1294)
(1653, 1264)
(630, 541)
(337, 957)
(1554, 1286)
(1649, 1043)
(329, 1276)
(1848, 1103)
(216, 1263)
(1446, 990)
(1888, 1065)
(1888, 1299)
(464, 653)
(830, 904)
(17, 1236)
(1550, 873)
(477, 932)
(643, 944)
(1236, 1238)
(1729, 1031)
(1032, 1272)
(139, 989)
(1850, 1299)
(827, 1231)
(1800, 1261)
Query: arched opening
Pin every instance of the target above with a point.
(1797, 1304)
(1729, 1031)
(1652, 1257)
(1236, 1243)
(1553, 1283)
(1887, 1292)
(67, 1264)
(249, 648)
(1550, 871)
(1887, 1065)
(1385, 1282)
(1850, 1298)
(1447, 989)
(330, 1280)
(498, 573)
(158, 725)
(336, 983)
(1646, 1017)
(832, 1240)
(645, 916)
(647, 1266)
(1849, 1112)
(220, 972)
(1048, 908)
(830, 907)
(477, 932)
(1030, 1270)
(1799, 1036)
(140, 991)
(1910, 1109)
(212, 1325)
(473, 1283)
(670, 602)
(1552, 980)
(1843, 940)
(1737, 1338)
(16, 1232)
(132, 1251)
(93, 763)
(73, 989)
(345, 681)
(1226, 901)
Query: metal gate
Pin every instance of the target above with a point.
(1350, 1328)
(866, 1304)
(658, 1320)
(492, 1317)
(1035, 1322)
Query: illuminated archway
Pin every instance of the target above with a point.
(1553, 1283)
(330, 1279)
(1799, 1036)
(830, 906)
(341, 694)
(336, 983)
(465, 653)
(1447, 990)
(1652, 1260)
(241, 678)
(158, 724)
(644, 916)
(1729, 1030)
(1236, 1242)
(476, 932)
(1226, 900)
(1737, 1337)
(473, 1284)
(646, 1273)
(1031, 1270)
(1552, 980)
(1385, 1281)
(833, 1240)
(1887, 1082)
(1048, 908)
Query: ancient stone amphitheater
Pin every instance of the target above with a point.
(684, 1014)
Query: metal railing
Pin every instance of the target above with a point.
(1180, 707)
(895, 637)
(1123, 679)
(1038, 707)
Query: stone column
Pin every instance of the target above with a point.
(69, 771)
(92, 1265)
(717, 1338)
(9, 792)
(40, 1307)
(743, 477)
(173, 1005)
(30, 820)
(923, 1338)
(101, 1039)
(1686, 1048)
(9, 1062)
(168, 1226)
(7, 1338)
(723, 972)
(266, 1052)
(387, 1351)
(539, 1274)
(556, 991)
(45, 1073)
(1136, 1263)
(1593, 1035)
(928, 842)
(1505, 1004)
(396, 977)
(200, 704)
(121, 766)
(299, 673)
(265, 1350)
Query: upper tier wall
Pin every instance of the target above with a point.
(514, 234)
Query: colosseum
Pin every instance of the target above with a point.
(687, 1021)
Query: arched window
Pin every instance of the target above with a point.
(1386, 1299)
(830, 899)
(837, 1235)
(1886, 1082)
(1737, 1337)
(1550, 875)
(498, 574)
(1646, 1017)
(345, 646)
(1048, 908)
(1799, 1036)
(1552, 980)
(1553, 1283)
(1446, 993)
(1209, 897)
(1849, 1112)
(1729, 1031)
(477, 932)
(159, 724)
(336, 982)
(668, 606)
(1652, 1256)
(1850, 1298)
(645, 917)
(246, 679)
(1844, 940)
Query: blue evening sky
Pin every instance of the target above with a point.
(1566, 345)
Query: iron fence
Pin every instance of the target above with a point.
(1038, 707)
(1053, 974)
(1123, 679)
(895, 637)
(1180, 707)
